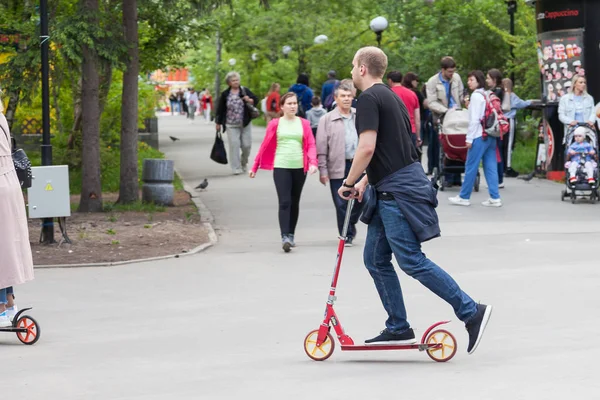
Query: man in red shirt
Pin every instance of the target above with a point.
(411, 101)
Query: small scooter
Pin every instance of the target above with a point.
(439, 344)
(26, 328)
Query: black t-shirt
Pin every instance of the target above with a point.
(380, 110)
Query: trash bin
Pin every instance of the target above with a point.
(157, 178)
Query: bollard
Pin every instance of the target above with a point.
(158, 176)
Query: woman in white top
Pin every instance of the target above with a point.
(577, 106)
(481, 148)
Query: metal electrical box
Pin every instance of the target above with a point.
(48, 195)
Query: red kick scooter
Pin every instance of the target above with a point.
(439, 344)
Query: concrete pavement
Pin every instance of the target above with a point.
(229, 323)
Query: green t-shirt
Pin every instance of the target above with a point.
(289, 152)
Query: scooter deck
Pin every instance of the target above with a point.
(13, 329)
(414, 346)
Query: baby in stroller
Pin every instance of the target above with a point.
(581, 158)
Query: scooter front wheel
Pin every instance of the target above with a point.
(318, 353)
(448, 347)
(33, 330)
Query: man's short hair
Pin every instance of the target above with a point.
(395, 76)
(447, 62)
(345, 86)
(316, 100)
(374, 59)
(331, 74)
(303, 79)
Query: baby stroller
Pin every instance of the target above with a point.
(581, 188)
(453, 157)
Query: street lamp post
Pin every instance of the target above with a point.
(378, 25)
(48, 223)
(512, 9)
(286, 50)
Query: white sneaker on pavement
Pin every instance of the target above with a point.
(12, 311)
(4, 320)
(500, 186)
(492, 203)
(459, 201)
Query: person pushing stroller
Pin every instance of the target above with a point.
(581, 148)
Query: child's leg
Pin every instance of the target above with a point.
(589, 170)
(573, 171)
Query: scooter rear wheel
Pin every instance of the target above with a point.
(318, 353)
(448, 345)
(33, 330)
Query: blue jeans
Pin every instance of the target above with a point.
(481, 150)
(389, 232)
(4, 293)
(341, 204)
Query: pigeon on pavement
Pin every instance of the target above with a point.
(173, 138)
(203, 184)
(527, 177)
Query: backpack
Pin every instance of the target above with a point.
(301, 112)
(494, 122)
(328, 101)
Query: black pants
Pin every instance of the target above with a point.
(289, 184)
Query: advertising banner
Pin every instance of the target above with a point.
(560, 59)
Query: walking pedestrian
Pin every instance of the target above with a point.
(174, 104)
(192, 102)
(273, 109)
(445, 91)
(330, 84)
(315, 114)
(401, 206)
(515, 104)
(235, 119)
(207, 104)
(336, 144)
(493, 81)
(411, 102)
(17, 265)
(289, 150)
(481, 148)
(304, 94)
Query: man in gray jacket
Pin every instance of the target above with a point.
(336, 144)
(444, 91)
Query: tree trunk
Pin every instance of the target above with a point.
(11, 109)
(129, 187)
(91, 188)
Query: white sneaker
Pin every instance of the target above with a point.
(492, 203)
(459, 201)
(12, 311)
(4, 320)
(500, 186)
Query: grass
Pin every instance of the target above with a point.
(523, 157)
(260, 121)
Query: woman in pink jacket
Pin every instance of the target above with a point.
(289, 150)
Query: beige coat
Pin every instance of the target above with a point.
(436, 95)
(16, 265)
(331, 144)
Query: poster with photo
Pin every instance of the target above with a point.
(560, 59)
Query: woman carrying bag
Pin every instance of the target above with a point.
(289, 150)
(17, 265)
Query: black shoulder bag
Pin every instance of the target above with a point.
(21, 162)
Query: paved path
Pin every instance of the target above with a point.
(229, 323)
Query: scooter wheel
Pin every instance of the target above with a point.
(318, 353)
(448, 347)
(33, 330)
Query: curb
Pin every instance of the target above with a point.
(207, 221)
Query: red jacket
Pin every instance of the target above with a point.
(265, 158)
